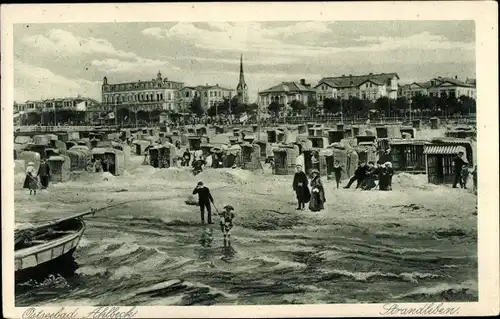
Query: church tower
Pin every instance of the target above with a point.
(242, 88)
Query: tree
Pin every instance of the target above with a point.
(402, 104)
(251, 108)
(356, 106)
(418, 102)
(383, 105)
(442, 104)
(297, 106)
(213, 110)
(332, 106)
(274, 108)
(468, 104)
(454, 105)
(196, 107)
(234, 105)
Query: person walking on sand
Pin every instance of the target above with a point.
(458, 163)
(31, 180)
(317, 193)
(337, 170)
(301, 188)
(226, 223)
(44, 173)
(205, 200)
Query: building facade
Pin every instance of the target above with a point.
(366, 87)
(155, 95)
(416, 88)
(184, 97)
(210, 95)
(286, 92)
(451, 87)
(56, 111)
(440, 86)
(242, 88)
(58, 104)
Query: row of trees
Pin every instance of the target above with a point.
(444, 105)
(226, 108)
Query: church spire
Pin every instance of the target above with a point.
(242, 75)
(242, 88)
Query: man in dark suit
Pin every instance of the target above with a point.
(458, 163)
(205, 200)
(44, 173)
(359, 175)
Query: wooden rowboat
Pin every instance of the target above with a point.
(47, 248)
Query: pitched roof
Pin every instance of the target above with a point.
(443, 149)
(424, 85)
(208, 87)
(357, 80)
(452, 81)
(471, 81)
(288, 87)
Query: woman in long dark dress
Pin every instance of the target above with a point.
(317, 193)
(383, 178)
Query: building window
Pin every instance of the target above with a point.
(206, 94)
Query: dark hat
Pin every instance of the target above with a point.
(228, 207)
(200, 183)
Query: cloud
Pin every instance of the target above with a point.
(33, 83)
(236, 61)
(63, 43)
(254, 37)
(250, 36)
(424, 40)
(139, 65)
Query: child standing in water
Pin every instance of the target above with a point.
(226, 223)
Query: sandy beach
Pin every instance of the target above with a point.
(416, 243)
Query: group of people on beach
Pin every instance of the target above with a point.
(366, 176)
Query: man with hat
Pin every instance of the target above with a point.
(226, 223)
(300, 186)
(458, 163)
(205, 200)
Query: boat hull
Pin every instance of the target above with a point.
(53, 256)
(64, 265)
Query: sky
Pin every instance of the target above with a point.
(63, 60)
